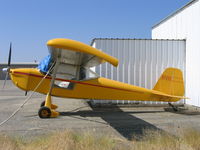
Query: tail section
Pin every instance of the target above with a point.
(171, 82)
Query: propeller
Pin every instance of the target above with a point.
(7, 70)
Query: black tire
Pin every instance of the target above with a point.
(42, 104)
(44, 112)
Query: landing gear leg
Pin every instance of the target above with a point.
(175, 108)
(53, 106)
(47, 109)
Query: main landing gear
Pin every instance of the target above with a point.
(47, 109)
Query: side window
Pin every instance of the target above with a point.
(87, 73)
(64, 75)
(82, 74)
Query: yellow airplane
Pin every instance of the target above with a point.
(66, 73)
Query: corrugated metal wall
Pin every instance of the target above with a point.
(141, 62)
(185, 24)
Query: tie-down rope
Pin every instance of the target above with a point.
(28, 98)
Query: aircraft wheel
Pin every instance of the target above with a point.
(44, 112)
(42, 104)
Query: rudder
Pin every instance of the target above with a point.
(171, 82)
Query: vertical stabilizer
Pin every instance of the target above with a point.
(171, 82)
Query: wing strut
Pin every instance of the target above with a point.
(54, 75)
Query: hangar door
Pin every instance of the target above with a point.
(141, 61)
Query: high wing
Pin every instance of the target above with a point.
(75, 58)
(77, 53)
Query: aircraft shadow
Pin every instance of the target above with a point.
(124, 123)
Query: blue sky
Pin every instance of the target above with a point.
(29, 24)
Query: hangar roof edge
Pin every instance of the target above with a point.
(175, 12)
(93, 40)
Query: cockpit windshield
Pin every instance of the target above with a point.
(45, 64)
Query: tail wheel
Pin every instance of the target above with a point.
(44, 112)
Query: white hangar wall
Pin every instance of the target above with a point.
(141, 62)
(185, 24)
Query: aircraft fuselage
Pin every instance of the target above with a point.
(27, 79)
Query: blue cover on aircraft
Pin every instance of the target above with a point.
(44, 65)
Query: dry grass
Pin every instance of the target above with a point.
(71, 141)
(189, 139)
(7, 143)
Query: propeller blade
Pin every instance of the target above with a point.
(8, 67)
(4, 83)
(9, 57)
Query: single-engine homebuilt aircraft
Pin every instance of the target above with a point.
(66, 73)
